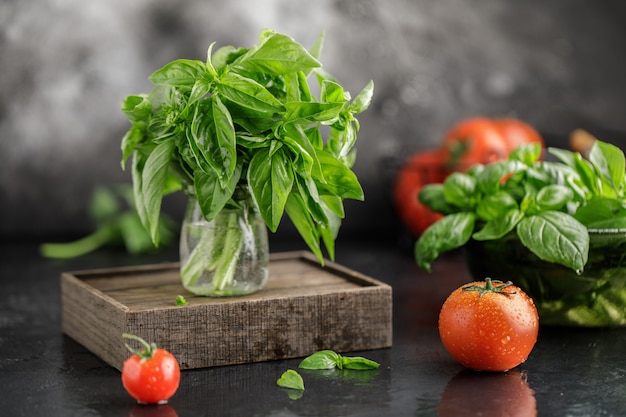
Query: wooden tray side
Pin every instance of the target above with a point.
(305, 308)
(92, 319)
(260, 330)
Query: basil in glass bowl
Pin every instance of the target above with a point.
(594, 298)
(556, 229)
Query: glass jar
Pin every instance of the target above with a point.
(227, 256)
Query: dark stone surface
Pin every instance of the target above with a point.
(571, 372)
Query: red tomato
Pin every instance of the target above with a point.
(481, 140)
(152, 375)
(488, 394)
(489, 326)
(517, 133)
(422, 168)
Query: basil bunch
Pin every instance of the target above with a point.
(248, 116)
(549, 205)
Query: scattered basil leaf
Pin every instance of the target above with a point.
(327, 359)
(181, 301)
(291, 379)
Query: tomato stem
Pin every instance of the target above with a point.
(490, 288)
(148, 349)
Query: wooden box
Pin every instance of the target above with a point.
(303, 308)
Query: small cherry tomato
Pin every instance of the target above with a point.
(423, 167)
(472, 393)
(482, 140)
(150, 375)
(489, 326)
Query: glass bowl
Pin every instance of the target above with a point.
(595, 298)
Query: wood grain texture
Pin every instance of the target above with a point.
(303, 308)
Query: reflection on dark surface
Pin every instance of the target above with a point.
(472, 393)
(162, 410)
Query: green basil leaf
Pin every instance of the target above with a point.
(248, 93)
(180, 73)
(600, 212)
(582, 167)
(270, 176)
(297, 211)
(338, 179)
(491, 178)
(553, 197)
(608, 161)
(329, 230)
(450, 232)
(555, 237)
(358, 363)
(211, 195)
(303, 112)
(137, 108)
(333, 92)
(324, 359)
(492, 206)
(307, 163)
(528, 154)
(213, 132)
(460, 189)
(362, 101)
(291, 379)
(153, 180)
(432, 196)
(277, 54)
(133, 137)
(499, 226)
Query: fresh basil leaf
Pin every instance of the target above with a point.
(609, 163)
(582, 167)
(555, 237)
(277, 54)
(492, 177)
(213, 132)
(450, 232)
(553, 197)
(297, 211)
(492, 206)
(137, 108)
(270, 176)
(133, 137)
(329, 230)
(180, 73)
(528, 154)
(432, 196)
(332, 92)
(211, 196)
(153, 179)
(291, 379)
(362, 101)
(324, 359)
(307, 163)
(460, 190)
(600, 210)
(358, 363)
(304, 112)
(499, 226)
(248, 93)
(338, 179)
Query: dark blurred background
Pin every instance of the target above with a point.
(67, 64)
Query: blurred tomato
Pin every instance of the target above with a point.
(423, 167)
(482, 140)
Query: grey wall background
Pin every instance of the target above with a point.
(67, 64)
